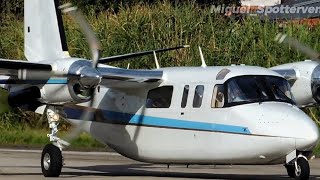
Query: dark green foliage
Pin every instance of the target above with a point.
(17, 117)
(100, 5)
(11, 7)
(15, 7)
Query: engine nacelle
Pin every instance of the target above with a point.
(31, 97)
(70, 92)
(304, 78)
(53, 90)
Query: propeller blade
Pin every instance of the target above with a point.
(292, 42)
(93, 41)
(85, 117)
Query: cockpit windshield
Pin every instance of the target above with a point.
(250, 89)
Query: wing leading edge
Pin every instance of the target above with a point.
(16, 67)
(13, 72)
(125, 78)
(23, 72)
(138, 54)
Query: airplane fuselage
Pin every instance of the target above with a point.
(189, 132)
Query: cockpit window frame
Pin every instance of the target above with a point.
(228, 104)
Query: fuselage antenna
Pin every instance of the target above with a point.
(156, 60)
(204, 65)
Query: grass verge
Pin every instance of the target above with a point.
(317, 151)
(37, 138)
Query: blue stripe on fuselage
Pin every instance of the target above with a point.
(112, 117)
(57, 81)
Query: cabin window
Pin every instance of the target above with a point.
(198, 96)
(218, 97)
(160, 97)
(185, 96)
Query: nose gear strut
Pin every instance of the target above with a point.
(54, 121)
(52, 159)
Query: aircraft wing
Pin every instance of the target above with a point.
(125, 78)
(15, 72)
(12, 72)
(11, 67)
(137, 54)
(23, 72)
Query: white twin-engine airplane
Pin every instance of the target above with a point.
(181, 115)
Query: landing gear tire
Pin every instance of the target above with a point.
(302, 171)
(51, 161)
(291, 171)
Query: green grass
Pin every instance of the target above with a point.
(30, 130)
(37, 138)
(3, 101)
(316, 151)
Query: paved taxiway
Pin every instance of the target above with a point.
(20, 164)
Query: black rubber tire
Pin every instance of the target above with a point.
(53, 168)
(304, 173)
(291, 171)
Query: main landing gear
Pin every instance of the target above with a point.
(51, 158)
(299, 168)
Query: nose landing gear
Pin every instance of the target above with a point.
(300, 169)
(52, 159)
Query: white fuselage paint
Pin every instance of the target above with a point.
(256, 133)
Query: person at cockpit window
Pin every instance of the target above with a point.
(237, 97)
(234, 93)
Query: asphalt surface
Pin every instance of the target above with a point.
(25, 164)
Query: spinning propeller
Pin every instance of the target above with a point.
(292, 42)
(89, 76)
(309, 70)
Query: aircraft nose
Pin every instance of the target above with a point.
(308, 136)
